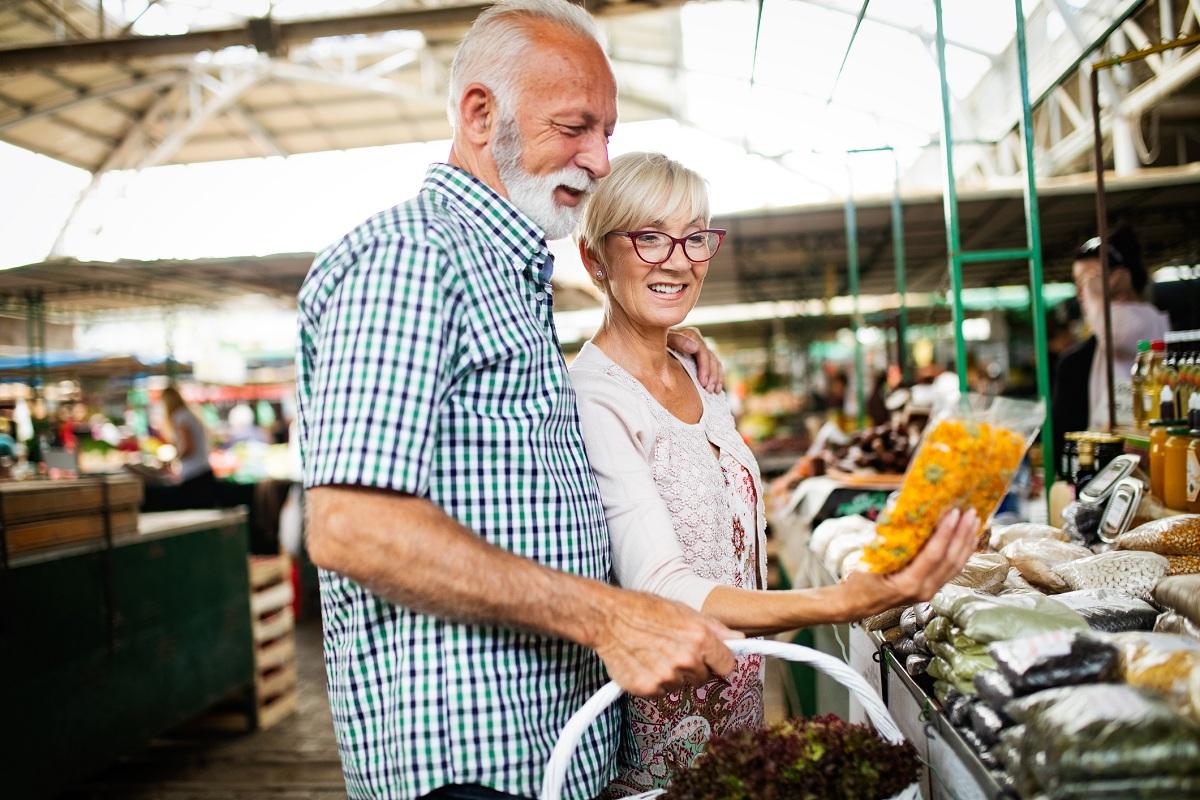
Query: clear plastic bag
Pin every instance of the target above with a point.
(1181, 594)
(908, 621)
(995, 619)
(1164, 663)
(1004, 535)
(1183, 565)
(940, 669)
(966, 459)
(1103, 732)
(883, 620)
(1110, 610)
(1129, 571)
(984, 572)
(938, 629)
(893, 634)
(1059, 658)
(1171, 622)
(915, 665)
(1081, 522)
(986, 723)
(833, 528)
(844, 545)
(1015, 583)
(925, 613)
(965, 662)
(1037, 558)
(994, 690)
(1171, 536)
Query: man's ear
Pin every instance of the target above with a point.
(477, 115)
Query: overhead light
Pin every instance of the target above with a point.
(977, 329)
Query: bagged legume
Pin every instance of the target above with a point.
(964, 461)
(925, 613)
(1004, 535)
(995, 619)
(1130, 571)
(1183, 565)
(984, 572)
(994, 690)
(883, 620)
(1037, 558)
(1164, 663)
(833, 528)
(986, 723)
(1171, 536)
(1171, 622)
(1058, 658)
(1110, 610)
(1181, 594)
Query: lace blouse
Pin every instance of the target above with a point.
(681, 522)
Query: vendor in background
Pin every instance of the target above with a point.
(1080, 400)
(196, 485)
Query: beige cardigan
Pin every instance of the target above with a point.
(669, 507)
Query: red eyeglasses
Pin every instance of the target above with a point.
(656, 247)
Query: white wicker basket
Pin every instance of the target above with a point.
(568, 740)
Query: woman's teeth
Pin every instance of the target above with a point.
(666, 288)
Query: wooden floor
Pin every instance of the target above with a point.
(295, 760)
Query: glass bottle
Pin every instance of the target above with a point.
(1086, 469)
(1158, 441)
(1193, 472)
(1175, 468)
(1137, 382)
(1153, 382)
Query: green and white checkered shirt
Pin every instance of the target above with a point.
(429, 365)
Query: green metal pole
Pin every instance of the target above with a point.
(1033, 235)
(950, 201)
(898, 259)
(852, 262)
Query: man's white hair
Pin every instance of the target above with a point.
(491, 51)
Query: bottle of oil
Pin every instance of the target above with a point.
(1170, 378)
(1137, 381)
(1153, 382)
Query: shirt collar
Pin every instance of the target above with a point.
(491, 214)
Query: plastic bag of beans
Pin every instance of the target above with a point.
(1058, 658)
(1181, 594)
(1037, 558)
(984, 572)
(1171, 622)
(1109, 610)
(1164, 663)
(966, 459)
(1172, 536)
(1004, 535)
(883, 620)
(1129, 571)
(1183, 565)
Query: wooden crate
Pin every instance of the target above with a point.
(40, 515)
(272, 699)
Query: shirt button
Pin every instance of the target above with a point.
(540, 295)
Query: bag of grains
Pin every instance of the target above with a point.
(1163, 663)
(1037, 558)
(834, 527)
(1004, 535)
(965, 663)
(1015, 583)
(883, 620)
(986, 723)
(1058, 658)
(1171, 536)
(925, 613)
(1181, 594)
(1129, 571)
(1081, 521)
(966, 459)
(1183, 565)
(1102, 732)
(994, 690)
(842, 546)
(1110, 610)
(995, 619)
(983, 571)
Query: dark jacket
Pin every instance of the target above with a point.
(1070, 403)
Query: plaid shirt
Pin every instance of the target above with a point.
(429, 365)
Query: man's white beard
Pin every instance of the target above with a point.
(534, 194)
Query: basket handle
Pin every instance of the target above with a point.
(581, 720)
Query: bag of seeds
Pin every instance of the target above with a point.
(966, 459)
(1105, 731)
(986, 723)
(995, 619)
(1164, 663)
(1110, 610)
(883, 620)
(1181, 594)
(994, 690)
(1058, 658)
(1129, 571)
(984, 572)
(1171, 536)
(1004, 535)
(1037, 558)
(1183, 565)
(1171, 622)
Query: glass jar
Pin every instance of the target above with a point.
(1193, 473)
(1175, 468)
(1158, 439)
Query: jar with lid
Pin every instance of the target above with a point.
(1070, 454)
(1158, 441)
(1193, 473)
(1086, 468)
(1175, 468)
(1106, 446)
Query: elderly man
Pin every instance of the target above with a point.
(458, 527)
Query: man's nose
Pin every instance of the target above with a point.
(593, 155)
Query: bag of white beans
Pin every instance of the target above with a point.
(1133, 572)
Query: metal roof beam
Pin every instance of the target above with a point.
(923, 35)
(37, 112)
(266, 34)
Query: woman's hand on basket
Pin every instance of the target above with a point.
(942, 557)
(652, 646)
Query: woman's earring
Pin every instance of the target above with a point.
(599, 274)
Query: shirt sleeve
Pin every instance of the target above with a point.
(619, 435)
(381, 362)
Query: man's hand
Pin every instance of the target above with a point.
(652, 646)
(942, 557)
(709, 371)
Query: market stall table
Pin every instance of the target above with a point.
(118, 643)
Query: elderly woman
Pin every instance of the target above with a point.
(682, 492)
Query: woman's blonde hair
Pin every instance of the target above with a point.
(642, 188)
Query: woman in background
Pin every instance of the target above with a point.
(194, 485)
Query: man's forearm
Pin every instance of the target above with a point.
(408, 551)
